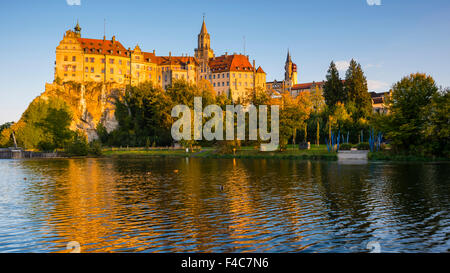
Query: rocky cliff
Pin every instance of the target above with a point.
(90, 104)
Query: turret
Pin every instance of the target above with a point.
(77, 29)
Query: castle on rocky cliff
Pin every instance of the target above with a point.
(100, 60)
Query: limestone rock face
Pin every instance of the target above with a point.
(91, 104)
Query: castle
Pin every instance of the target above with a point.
(100, 60)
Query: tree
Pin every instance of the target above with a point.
(293, 115)
(44, 125)
(409, 119)
(357, 91)
(333, 89)
(437, 129)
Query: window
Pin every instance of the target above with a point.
(111, 61)
(120, 71)
(66, 58)
(103, 60)
(228, 83)
(74, 59)
(111, 71)
(66, 68)
(120, 61)
(223, 83)
(228, 75)
(214, 76)
(87, 59)
(214, 84)
(92, 60)
(103, 71)
(86, 69)
(128, 62)
(92, 70)
(240, 76)
(74, 68)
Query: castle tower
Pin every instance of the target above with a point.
(290, 75)
(204, 52)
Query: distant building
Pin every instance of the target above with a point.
(290, 78)
(379, 102)
(100, 60)
(306, 87)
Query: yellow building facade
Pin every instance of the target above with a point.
(107, 60)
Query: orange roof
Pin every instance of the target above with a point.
(169, 60)
(260, 70)
(306, 85)
(97, 46)
(230, 63)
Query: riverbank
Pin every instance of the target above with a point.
(390, 156)
(315, 153)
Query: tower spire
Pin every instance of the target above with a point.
(77, 28)
(288, 58)
(203, 30)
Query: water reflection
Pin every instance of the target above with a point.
(203, 205)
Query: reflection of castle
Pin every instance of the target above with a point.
(101, 60)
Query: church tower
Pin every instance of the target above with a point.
(290, 75)
(203, 52)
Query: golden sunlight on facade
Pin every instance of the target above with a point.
(93, 60)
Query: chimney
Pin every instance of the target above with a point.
(226, 54)
(154, 52)
(113, 39)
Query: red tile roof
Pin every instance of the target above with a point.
(306, 85)
(108, 47)
(230, 63)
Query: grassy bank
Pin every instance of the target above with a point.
(315, 153)
(391, 156)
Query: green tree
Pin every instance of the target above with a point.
(409, 119)
(437, 129)
(333, 89)
(357, 91)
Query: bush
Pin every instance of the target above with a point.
(95, 148)
(345, 147)
(363, 146)
(78, 146)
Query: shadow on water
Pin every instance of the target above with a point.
(222, 205)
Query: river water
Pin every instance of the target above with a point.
(223, 205)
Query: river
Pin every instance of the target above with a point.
(167, 204)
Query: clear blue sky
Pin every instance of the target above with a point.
(390, 40)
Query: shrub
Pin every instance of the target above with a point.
(78, 146)
(95, 148)
(345, 147)
(363, 146)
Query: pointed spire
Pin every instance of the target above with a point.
(288, 58)
(203, 30)
(77, 28)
